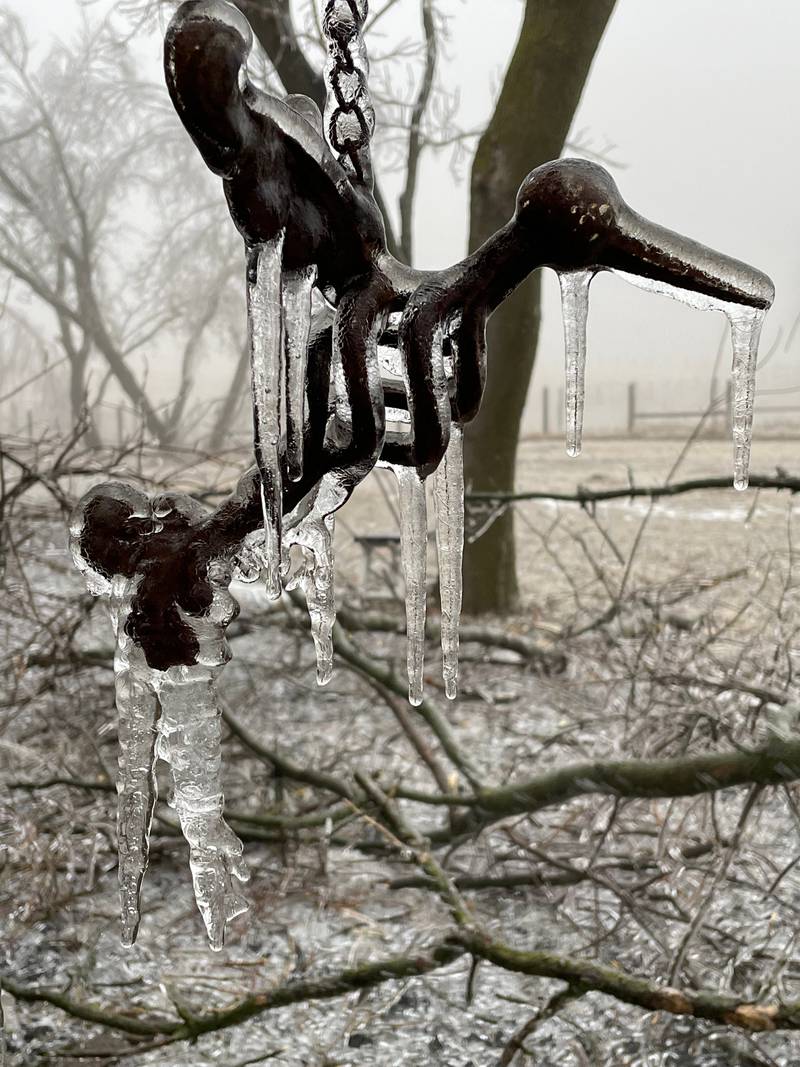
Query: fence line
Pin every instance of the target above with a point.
(719, 413)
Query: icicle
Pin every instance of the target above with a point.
(414, 550)
(189, 740)
(745, 323)
(137, 711)
(746, 326)
(316, 579)
(575, 312)
(448, 489)
(266, 363)
(137, 714)
(297, 288)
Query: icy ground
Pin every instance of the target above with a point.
(712, 593)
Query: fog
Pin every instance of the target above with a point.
(695, 104)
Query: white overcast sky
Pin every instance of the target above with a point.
(700, 98)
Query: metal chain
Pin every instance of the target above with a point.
(349, 114)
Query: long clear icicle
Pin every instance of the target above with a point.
(414, 551)
(745, 323)
(189, 740)
(297, 288)
(316, 579)
(137, 711)
(575, 313)
(137, 715)
(746, 326)
(448, 490)
(267, 363)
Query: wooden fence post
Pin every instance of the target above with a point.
(631, 407)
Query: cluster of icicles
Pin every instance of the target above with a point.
(279, 335)
(745, 323)
(279, 340)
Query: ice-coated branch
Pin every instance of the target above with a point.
(585, 496)
(774, 763)
(416, 140)
(545, 656)
(585, 974)
(426, 709)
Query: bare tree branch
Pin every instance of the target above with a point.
(415, 138)
(586, 496)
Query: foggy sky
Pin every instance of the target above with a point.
(700, 98)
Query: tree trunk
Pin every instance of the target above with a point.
(227, 412)
(557, 44)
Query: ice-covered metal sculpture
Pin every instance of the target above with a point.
(388, 344)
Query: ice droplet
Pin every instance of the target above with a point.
(745, 323)
(746, 326)
(297, 288)
(575, 313)
(448, 490)
(267, 364)
(414, 552)
(316, 579)
(249, 559)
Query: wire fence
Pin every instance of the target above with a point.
(636, 408)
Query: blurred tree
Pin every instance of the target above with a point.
(94, 229)
(543, 85)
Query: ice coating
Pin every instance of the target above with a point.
(265, 334)
(745, 323)
(349, 114)
(189, 733)
(249, 560)
(172, 714)
(575, 313)
(297, 289)
(448, 491)
(414, 551)
(314, 535)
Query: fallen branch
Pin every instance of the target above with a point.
(585, 496)
(588, 976)
(582, 975)
(542, 653)
(777, 762)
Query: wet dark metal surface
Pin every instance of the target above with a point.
(279, 175)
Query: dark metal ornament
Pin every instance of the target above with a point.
(322, 393)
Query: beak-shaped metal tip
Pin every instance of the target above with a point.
(572, 211)
(653, 253)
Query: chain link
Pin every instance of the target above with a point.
(349, 114)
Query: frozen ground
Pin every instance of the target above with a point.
(710, 598)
